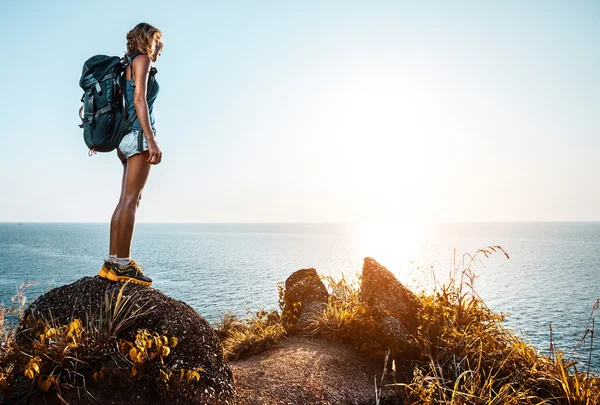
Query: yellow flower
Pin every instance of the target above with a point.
(32, 368)
(51, 332)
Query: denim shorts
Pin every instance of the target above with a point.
(129, 144)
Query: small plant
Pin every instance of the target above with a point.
(229, 322)
(57, 357)
(146, 348)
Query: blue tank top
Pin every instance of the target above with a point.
(151, 94)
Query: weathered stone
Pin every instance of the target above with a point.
(395, 306)
(198, 345)
(305, 294)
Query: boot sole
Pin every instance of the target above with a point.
(123, 279)
(102, 273)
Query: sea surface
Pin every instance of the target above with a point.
(551, 277)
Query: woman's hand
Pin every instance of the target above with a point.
(155, 153)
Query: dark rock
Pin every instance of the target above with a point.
(304, 295)
(198, 346)
(395, 306)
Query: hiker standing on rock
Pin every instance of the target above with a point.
(138, 151)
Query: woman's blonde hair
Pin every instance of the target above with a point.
(140, 38)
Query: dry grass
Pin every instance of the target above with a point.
(469, 357)
(243, 337)
(466, 355)
(348, 319)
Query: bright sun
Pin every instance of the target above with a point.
(380, 129)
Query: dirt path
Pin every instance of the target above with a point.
(303, 370)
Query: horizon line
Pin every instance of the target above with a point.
(307, 223)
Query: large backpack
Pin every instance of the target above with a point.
(104, 114)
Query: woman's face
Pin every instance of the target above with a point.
(157, 45)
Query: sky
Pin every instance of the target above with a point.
(315, 111)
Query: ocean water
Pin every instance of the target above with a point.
(551, 276)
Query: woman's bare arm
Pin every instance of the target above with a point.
(141, 70)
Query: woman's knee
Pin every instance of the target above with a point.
(132, 200)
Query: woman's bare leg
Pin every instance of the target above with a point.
(115, 218)
(135, 179)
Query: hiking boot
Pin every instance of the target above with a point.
(105, 268)
(132, 271)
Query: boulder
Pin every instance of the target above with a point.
(198, 344)
(305, 294)
(395, 307)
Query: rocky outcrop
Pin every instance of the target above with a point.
(304, 295)
(198, 344)
(395, 308)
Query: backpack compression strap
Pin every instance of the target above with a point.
(91, 115)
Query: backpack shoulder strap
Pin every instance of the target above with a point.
(133, 55)
(130, 62)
